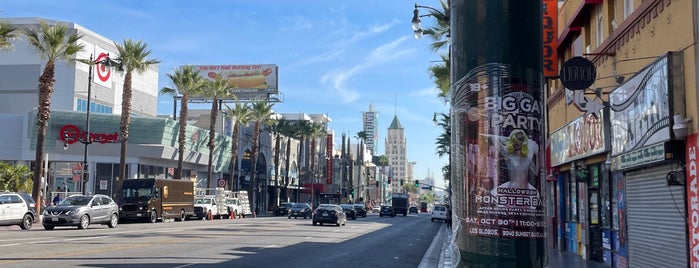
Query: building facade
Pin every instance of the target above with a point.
(370, 126)
(622, 150)
(397, 153)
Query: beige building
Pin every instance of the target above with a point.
(617, 148)
(397, 153)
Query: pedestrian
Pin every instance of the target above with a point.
(57, 199)
(449, 217)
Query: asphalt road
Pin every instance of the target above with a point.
(251, 242)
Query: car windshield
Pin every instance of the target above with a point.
(76, 201)
(347, 206)
(299, 206)
(202, 201)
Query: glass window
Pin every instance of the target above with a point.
(605, 201)
(573, 193)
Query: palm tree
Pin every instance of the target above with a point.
(215, 89)
(241, 113)
(187, 82)
(134, 57)
(441, 76)
(260, 115)
(443, 143)
(303, 131)
(54, 43)
(291, 131)
(440, 34)
(317, 131)
(15, 177)
(7, 33)
(278, 129)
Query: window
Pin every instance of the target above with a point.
(599, 33)
(628, 8)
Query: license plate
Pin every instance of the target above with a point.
(54, 219)
(138, 214)
(325, 214)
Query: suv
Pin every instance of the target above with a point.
(17, 209)
(387, 210)
(361, 210)
(439, 212)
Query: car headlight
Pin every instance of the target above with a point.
(71, 212)
(46, 213)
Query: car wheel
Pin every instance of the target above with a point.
(27, 221)
(84, 222)
(153, 217)
(338, 223)
(49, 227)
(113, 221)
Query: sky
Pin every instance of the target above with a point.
(335, 57)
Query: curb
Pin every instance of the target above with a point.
(433, 256)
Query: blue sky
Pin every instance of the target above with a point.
(335, 57)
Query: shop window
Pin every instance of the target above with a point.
(573, 195)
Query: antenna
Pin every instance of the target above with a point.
(395, 105)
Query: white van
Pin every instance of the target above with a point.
(439, 212)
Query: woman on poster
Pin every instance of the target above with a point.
(521, 154)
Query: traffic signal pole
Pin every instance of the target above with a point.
(497, 132)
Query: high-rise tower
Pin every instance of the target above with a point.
(370, 120)
(397, 153)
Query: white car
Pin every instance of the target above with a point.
(439, 212)
(17, 209)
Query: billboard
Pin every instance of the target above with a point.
(246, 81)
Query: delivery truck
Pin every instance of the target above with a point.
(152, 200)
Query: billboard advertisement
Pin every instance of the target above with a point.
(246, 81)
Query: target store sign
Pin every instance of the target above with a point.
(101, 73)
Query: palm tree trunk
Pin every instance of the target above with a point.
(125, 122)
(253, 179)
(212, 136)
(181, 136)
(288, 165)
(42, 121)
(277, 146)
(234, 157)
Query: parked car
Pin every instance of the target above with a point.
(81, 211)
(17, 209)
(349, 210)
(387, 211)
(329, 213)
(300, 210)
(283, 209)
(361, 210)
(412, 209)
(375, 210)
(439, 212)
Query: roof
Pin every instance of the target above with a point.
(395, 123)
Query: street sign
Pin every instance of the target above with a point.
(578, 73)
(221, 183)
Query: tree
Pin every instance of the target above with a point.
(302, 131)
(443, 143)
(15, 177)
(260, 115)
(440, 33)
(187, 82)
(7, 33)
(54, 43)
(215, 89)
(241, 113)
(279, 128)
(317, 130)
(134, 57)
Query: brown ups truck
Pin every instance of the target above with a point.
(156, 199)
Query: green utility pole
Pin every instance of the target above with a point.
(498, 132)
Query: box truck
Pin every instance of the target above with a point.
(156, 199)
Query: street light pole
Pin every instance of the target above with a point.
(87, 140)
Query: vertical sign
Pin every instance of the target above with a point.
(329, 161)
(550, 26)
(693, 200)
(102, 73)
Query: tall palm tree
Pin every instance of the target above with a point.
(241, 113)
(317, 131)
(291, 131)
(443, 142)
(187, 82)
(215, 89)
(440, 33)
(441, 76)
(134, 57)
(303, 131)
(7, 33)
(260, 115)
(278, 129)
(54, 43)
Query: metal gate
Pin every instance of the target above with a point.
(656, 219)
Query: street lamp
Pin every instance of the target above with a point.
(416, 22)
(86, 139)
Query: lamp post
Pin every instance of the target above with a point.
(416, 22)
(86, 140)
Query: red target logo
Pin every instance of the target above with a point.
(103, 72)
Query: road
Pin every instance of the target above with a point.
(251, 242)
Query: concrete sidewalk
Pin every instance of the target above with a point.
(441, 252)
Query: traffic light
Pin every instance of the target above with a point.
(417, 183)
(352, 192)
(389, 180)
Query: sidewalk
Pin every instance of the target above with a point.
(440, 253)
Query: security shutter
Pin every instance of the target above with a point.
(656, 219)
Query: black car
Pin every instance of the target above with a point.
(300, 210)
(329, 213)
(387, 211)
(361, 210)
(283, 209)
(349, 210)
(412, 209)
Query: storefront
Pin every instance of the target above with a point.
(648, 153)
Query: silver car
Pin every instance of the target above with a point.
(81, 211)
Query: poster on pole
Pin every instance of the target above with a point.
(500, 128)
